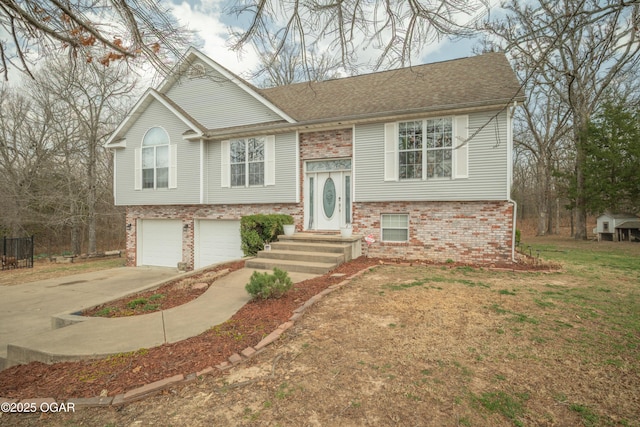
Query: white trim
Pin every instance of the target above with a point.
(353, 168)
(138, 242)
(192, 51)
(298, 171)
(225, 165)
(136, 112)
(269, 160)
(408, 228)
(391, 151)
(510, 112)
(115, 181)
(202, 178)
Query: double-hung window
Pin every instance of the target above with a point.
(410, 150)
(247, 162)
(426, 149)
(155, 159)
(438, 136)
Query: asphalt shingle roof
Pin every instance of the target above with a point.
(480, 80)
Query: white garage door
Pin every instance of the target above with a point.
(217, 241)
(160, 242)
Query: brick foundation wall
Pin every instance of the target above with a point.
(188, 214)
(472, 232)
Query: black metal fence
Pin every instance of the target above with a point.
(16, 253)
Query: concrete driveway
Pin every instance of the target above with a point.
(26, 309)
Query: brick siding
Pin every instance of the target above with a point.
(475, 232)
(189, 213)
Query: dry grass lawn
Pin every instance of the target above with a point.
(435, 346)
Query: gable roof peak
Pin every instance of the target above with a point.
(178, 71)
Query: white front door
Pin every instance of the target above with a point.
(329, 200)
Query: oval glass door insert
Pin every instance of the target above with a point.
(329, 197)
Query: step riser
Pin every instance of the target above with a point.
(307, 247)
(263, 264)
(307, 253)
(302, 256)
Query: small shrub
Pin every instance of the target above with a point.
(518, 237)
(136, 302)
(266, 285)
(256, 230)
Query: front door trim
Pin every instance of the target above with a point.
(323, 178)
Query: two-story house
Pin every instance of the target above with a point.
(419, 158)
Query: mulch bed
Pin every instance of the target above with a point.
(119, 373)
(164, 297)
(122, 372)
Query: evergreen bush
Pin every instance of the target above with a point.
(266, 285)
(256, 230)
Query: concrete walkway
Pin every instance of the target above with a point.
(28, 311)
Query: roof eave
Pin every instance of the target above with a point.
(333, 122)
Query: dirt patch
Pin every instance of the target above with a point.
(44, 269)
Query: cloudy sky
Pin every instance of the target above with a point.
(209, 20)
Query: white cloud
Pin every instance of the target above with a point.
(208, 18)
(205, 18)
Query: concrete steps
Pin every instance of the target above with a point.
(307, 253)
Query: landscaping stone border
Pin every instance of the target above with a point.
(156, 387)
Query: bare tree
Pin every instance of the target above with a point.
(578, 49)
(92, 30)
(397, 29)
(279, 68)
(87, 101)
(28, 193)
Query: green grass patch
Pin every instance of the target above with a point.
(134, 303)
(589, 417)
(511, 407)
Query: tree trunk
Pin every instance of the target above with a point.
(581, 209)
(92, 197)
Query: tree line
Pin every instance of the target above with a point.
(56, 177)
(576, 136)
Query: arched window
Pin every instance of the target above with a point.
(155, 159)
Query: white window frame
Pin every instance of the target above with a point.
(383, 227)
(171, 168)
(268, 162)
(459, 149)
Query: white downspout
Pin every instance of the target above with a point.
(510, 114)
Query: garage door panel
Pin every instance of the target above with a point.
(160, 242)
(217, 241)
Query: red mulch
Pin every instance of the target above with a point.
(173, 294)
(123, 372)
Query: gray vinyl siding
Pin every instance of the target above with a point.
(488, 167)
(188, 163)
(284, 190)
(216, 102)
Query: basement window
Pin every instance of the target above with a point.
(395, 227)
